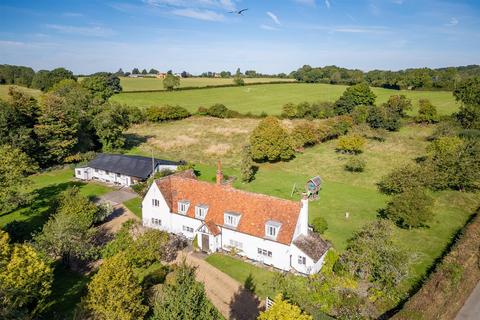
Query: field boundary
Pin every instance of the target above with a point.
(454, 278)
(213, 86)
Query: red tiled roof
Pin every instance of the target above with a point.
(255, 209)
(214, 229)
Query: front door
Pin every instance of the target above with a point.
(205, 242)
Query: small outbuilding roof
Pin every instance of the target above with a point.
(133, 166)
(312, 245)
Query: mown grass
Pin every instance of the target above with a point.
(140, 84)
(270, 98)
(4, 91)
(134, 205)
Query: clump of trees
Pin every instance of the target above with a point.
(316, 110)
(170, 82)
(467, 92)
(166, 113)
(270, 141)
(356, 95)
(411, 208)
(427, 112)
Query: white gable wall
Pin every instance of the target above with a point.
(310, 267)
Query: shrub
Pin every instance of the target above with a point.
(322, 110)
(356, 95)
(319, 225)
(238, 81)
(427, 112)
(355, 164)
(303, 134)
(402, 179)
(166, 113)
(269, 141)
(341, 125)
(247, 168)
(398, 105)
(202, 111)
(412, 208)
(381, 118)
(303, 110)
(135, 115)
(220, 111)
(359, 114)
(289, 110)
(351, 144)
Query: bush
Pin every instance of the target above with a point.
(357, 95)
(135, 115)
(238, 81)
(289, 111)
(166, 113)
(355, 164)
(319, 225)
(402, 179)
(398, 105)
(220, 111)
(359, 114)
(351, 144)
(303, 134)
(412, 208)
(427, 112)
(381, 118)
(269, 141)
(322, 110)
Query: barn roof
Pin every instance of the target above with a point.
(134, 166)
(255, 209)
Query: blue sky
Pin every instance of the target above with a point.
(272, 36)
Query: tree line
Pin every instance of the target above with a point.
(413, 78)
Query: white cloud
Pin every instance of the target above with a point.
(327, 3)
(267, 27)
(354, 29)
(274, 17)
(453, 22)
(206, 15)
(306, 2)
(194, 4)
(93, 31)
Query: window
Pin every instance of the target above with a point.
(107, 172)
(79, 172)
(155, 202)
(264, 252)
(187, 229)
(272, 228)
(96, 170)
(156, 222)
(231, 219)
(302, 260)
(236, 244)
(183, 206)
(201, 211)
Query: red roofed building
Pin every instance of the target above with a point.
(271, 230)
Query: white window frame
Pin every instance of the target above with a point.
(231, 219)
(302, 260)
(155, 202)
(272, 228)
(236, 244)
(264, 252)
(183, 207)
(156, 222)
(187, 229)
(201, 212)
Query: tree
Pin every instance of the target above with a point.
(56, 130)
(356, 95)
(109, 125)
(319, 225)
(427, 112)
(68, 233)
(170, 82)
(14, 168)
(269, 141)
(372, 255)
(102, 85)
(412, 208)
(247, 167)
(398, 104)
(25, 281)
(351, 144)
(181, 297)
(153, 71)
(120, 73)
(381, 118)
(282, 310)
(144, 71)
(115, 292)
(238, 81)
(44, 79)
(135, 71)
(468, 93)
(304, 134)
(403, 179)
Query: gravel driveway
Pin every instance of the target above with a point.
(117, 197)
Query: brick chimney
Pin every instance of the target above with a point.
(219, 177)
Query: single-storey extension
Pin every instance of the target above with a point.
(122, 169)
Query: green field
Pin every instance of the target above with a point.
(271, 97)
(139, 84)
(4, 91)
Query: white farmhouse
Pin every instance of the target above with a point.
(122, 169)
(262, 228)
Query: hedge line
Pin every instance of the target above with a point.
(215, 86)
(449, 286)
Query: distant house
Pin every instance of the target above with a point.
(122, 169)
(262, 228)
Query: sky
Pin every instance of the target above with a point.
(272, 36)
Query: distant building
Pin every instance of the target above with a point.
(161, 75)
(122, 169)
(259, 227)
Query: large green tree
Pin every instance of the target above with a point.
(25, 281)
(102, 85)
(69, 233)
(45, 79)
(115, 292)
(14, 168)
(109, 125)
(468, 92)
(412, 208)
(357, 95)
(170, 82)
(247, 166)
(182, 297)
(269, 141)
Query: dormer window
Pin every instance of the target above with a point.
(271, 229)
(231, 219)
(201, 211)
(183, 206)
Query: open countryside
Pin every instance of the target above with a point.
(270, 98)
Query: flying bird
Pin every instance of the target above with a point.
(240, 12)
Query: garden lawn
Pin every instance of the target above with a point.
(270, 98)
(151, 83)
(47, 186)
(134, 205)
